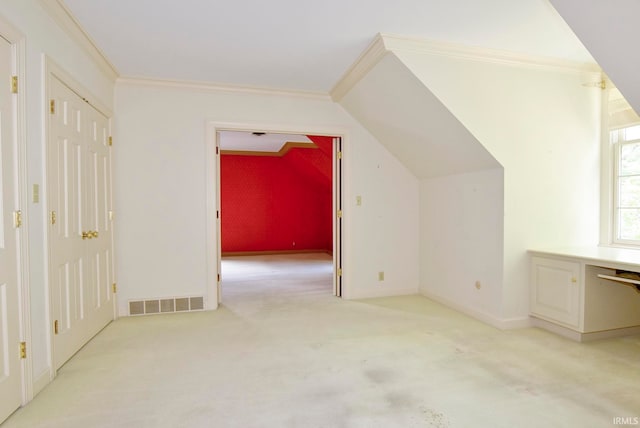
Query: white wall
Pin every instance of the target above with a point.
(160, 189)
(542, 125)
(461, 241)
(43, 36)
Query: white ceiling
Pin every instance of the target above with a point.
(248, 141)
(303, 45)
(610, 31)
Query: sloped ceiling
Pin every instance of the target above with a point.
(302, 45)
(316, 164)
(412, 123)
(610, 30)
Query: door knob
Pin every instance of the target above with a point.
(94, 234)
(86, 235)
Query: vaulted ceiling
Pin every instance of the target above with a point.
(303, 45)
(310, 46)
(609, 29)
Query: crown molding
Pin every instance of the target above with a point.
(221, 87)
(385, 43)
(362, 65)
(400, 44)
(65, 19)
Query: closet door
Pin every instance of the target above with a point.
(66, 243)
(97, 220)
(80, 237)
(10, 376)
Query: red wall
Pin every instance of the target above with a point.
(268, 203)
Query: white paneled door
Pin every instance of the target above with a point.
(80, 237)
(10, 370)
(98, 220)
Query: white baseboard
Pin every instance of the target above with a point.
(610, 334)
(374, 292)
(557, 329)
(514, 323)
(499, 323)
(41, 381)
(583, 337)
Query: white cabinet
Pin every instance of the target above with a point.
(556, 290)
(578, 292)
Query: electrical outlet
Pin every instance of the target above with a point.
(380, 276)
(478, 285)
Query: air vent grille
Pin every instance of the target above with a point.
(163, 306)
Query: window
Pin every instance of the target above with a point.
(626, 143)
(620, 172)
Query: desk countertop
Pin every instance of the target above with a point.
(595, 254)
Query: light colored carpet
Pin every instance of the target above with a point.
(283, 352)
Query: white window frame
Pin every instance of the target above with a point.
(617, 148)
(610, 156)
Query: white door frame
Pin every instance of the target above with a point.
(338, 221)
(212, 189)
(18, 42)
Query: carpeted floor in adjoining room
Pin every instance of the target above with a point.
(281, 351)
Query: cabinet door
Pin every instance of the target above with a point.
(556, 290)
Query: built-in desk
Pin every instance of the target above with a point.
(586, 293)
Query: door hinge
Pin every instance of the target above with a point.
(114, 287)
(217, 150)
(54, 218)
(218, 214)
(339, 213)
(52, 106)
(218, 277)
(339, 271)
(55, 327)
(110, 141)
(339, 155)
(23, 350)
(14, 84)
(17, 219)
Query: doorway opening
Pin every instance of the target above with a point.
(279, 214)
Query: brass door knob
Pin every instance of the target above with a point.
(86, 235)
(94, 234)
